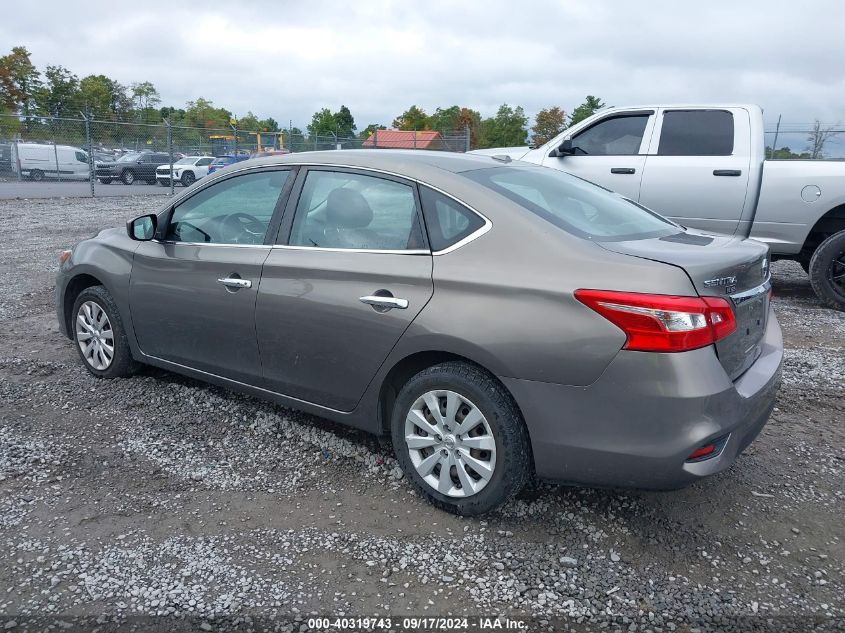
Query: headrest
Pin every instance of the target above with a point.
(347, 209)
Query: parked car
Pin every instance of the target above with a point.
(497, 320)
(224, 161)
(186, 170)
(269, 152)
(5, 157)
(703, 166)
(38, 161)
(131, 167)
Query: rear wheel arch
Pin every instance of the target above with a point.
(830, 223)
(404, 369)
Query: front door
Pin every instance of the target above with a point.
(339, 292)
(192, 293)
(611, 152)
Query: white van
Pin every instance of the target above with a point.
(38, 161)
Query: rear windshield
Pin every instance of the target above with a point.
(222, 161)
(574, 205)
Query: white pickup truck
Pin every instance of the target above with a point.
(704, 166)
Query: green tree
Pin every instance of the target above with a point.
(249, 122)
(202, 113)
(445, 119)
(548, 123)
(19, 81)
(104, 98)
(345, 123)
(367, 131)
(323, 123)
(413, 118)
(784, 153)
(148, 98)
(59, 95)
(590, 106)
(506, 129)
(269, 125)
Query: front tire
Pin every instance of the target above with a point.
(460, 439)
(827, 271)
(105, 181)
(37, 175)
(188, 179)
(100, 336)
(127, 177)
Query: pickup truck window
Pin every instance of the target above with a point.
(697, 133)
(615, 136)
(574, 205)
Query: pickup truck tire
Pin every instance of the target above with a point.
(827, 271)
(127, 177)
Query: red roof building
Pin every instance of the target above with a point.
(405, 139)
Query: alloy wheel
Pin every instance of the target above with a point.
(450, 443)
(94, 335)
(836, 273)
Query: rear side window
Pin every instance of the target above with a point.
(447, 221)
(697, 133)
(354, 211)
(573, 204)
(616, 136)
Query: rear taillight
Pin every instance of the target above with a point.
(663, 323)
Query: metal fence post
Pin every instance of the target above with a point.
(467, 137)
(18, 156)
(415, 138)
(55, 149)
(170, 151)
(375, 138)
(90, 151)
(235, 133)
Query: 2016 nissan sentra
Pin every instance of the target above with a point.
(500, 321)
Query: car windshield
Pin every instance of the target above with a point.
(186, 161)
(126, 158)
(574, 205)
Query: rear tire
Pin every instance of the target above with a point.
(100, 340)
(37, 175)
(827, 271)
(445, 445)
(127, 177)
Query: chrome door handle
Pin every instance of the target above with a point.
(384, 302)
(234, 282)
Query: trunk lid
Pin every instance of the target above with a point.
(734, 268)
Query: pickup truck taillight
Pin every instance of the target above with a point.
(663, 323)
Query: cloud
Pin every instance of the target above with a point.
(286, 60)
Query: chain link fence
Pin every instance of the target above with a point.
(88, 154)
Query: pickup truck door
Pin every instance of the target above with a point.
(697, 168)
(611, 152)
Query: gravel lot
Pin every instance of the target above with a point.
(162, 496)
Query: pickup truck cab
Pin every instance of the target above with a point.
(704, 166)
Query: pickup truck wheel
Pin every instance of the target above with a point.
(827, 271)
(460, 439)
(127, 177)
(188, 178)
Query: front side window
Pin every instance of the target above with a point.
(237, 210)
(616, 136)
(202, 162)
(697, 133)
(573, 204)
(81, 157)
(345, 210)
(447, 221)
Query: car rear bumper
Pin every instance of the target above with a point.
(637, 424)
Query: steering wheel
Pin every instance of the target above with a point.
(245, 228)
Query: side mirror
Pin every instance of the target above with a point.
(143, 228)
(565, 148)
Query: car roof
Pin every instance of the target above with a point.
(411, 163)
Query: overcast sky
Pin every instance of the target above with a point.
(288, 59)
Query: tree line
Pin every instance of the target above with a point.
(58, 92)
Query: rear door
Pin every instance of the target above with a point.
(351, 272)
(611, 152)
(698, 166)
(192, 292)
